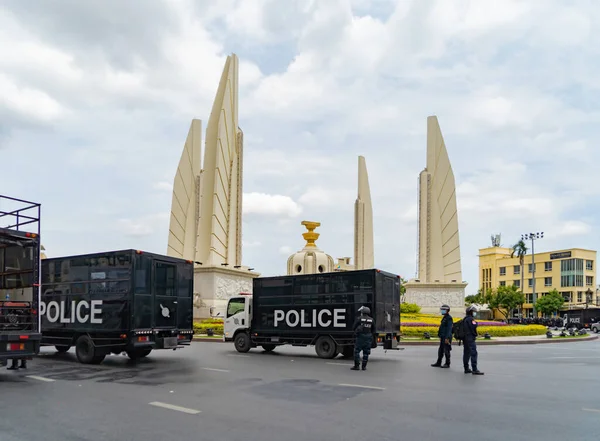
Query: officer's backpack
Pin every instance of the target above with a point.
(458, 330)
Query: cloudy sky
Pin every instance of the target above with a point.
(96, 98)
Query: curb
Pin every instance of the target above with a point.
(507, 342)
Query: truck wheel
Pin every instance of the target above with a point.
(62, 349)
(85, 351)
(138, 353)
(348, 351)
(326, 347)
(242, 342)
(268, 348)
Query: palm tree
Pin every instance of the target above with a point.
(520, 250)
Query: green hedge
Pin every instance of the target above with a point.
(204, 325)
(494, 331)
(409, 308)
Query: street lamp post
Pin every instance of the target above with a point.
(533, 237)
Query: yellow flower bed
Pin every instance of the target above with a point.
(424, 318)
(494, 331)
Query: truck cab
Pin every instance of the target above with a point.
(237, 320)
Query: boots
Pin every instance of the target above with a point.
(355, 367)
(13, 365)
(23, 364)
(364, 365)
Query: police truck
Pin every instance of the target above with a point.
(116, 302)
(19, 279)
(314, 310)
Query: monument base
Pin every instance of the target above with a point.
(214, 286)
(430, 296)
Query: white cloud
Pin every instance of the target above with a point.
(270, 205)
(285, 250)
(320, 83)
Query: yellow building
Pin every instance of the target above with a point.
(571, 272)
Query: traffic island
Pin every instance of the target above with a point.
(522, 340)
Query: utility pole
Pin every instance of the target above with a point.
(533, 237)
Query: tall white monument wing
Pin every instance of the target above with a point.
(363, 220)
(185, 201)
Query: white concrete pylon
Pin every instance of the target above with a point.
(364, 256)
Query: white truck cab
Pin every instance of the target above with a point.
(237, 320)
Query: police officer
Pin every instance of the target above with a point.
(445, 335)
(363, 328)
(470, 351)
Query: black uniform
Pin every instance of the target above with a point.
(470, 351)
(445, 333)
(363, 328)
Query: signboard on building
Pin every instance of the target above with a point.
(561, 255)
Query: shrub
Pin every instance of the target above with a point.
(202, 327)
(494, 331)
(422, 324)
(409, 308)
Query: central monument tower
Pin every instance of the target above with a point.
(439, 278)
(206, 207)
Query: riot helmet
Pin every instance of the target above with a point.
(446, 307)
(471, 309)
(364, 310)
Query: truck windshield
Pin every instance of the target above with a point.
(235, 306)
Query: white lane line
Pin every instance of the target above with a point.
(339, 364)
(173, 407)
(238, 355)
(364, 387)
(591, 410)
(35, 377)
(569, 358)
(215, 369)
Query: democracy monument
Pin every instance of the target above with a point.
(439, 273)
(206, 216)
(206, 207)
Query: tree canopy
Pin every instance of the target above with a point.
(505, 299)
(550, 303)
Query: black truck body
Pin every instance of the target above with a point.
(19, 279)
(118, 301)
(320, 309)
(580, 318)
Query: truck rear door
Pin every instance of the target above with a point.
(165, 294)
(391, 298)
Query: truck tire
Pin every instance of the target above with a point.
(347, 351)
(85, 351)
(62, 349)
(139, 353)
(242, 342)
(326, 347)
(268, 348)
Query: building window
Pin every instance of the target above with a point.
(547, 281)
(528, 298)
(589, 280)
(571, 280)
(516, 270)
(503, 271)
(589, 265)
(547, 266)
(566, 296)
(530, 268)
(517, 283)
(579, 297)
(502, 283)
(530, 283)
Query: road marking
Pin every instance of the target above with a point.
(238, 355)
(569, 358)
(339, 364)
(214, 369)
(173, 407)
(35, 377)
(364, 387)
(591, 410)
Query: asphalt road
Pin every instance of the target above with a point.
(208, 391)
